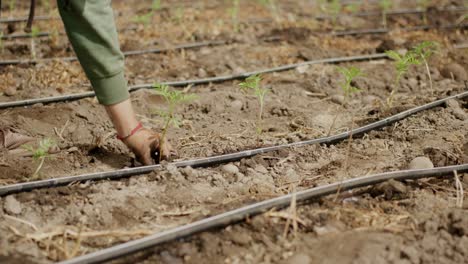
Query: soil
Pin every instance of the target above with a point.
(408, 222)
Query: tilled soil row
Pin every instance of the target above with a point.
(104, 211)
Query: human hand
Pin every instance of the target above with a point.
(148, 148)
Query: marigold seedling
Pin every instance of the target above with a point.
(273, 7)
(174, 98)
(423, 5)
(234, 13)
(424, 51)
(156, 5)
(34, 34)
(1, 42)
(385, 5)
(252, 83)
(144, 19)
(41, 153)
(12, 6)
(334, 8)
(349, 75)
(402, 64)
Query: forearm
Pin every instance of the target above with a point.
(91, 29)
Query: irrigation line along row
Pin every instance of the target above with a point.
(250, 21)
(360, 14)
(215, 160)
(70, 97)
(237, 215)
(222, 42)
(192, 45)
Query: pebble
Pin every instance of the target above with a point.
(12, 206)
(230, 168)
(10, 91)
(337, 99)
(190, 172)
(237, 105)
(455, 69)
(421, 163)
(457, 111)
(261, 169)
(241, 238)
(299, 258)
(292, 176)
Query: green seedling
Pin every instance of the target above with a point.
(349, 75)
(156, 5)
(253, 84)
(144, 19)
(423, 5)
(12, 6)
(402, 64)
(234, 13)
(173, 98)
(424, 51)
(271, 4)
(385, 5)
(179, 15)
(334, 8)
(1, 43)
(34, 34)
(46, 4)
(41, 153)
(353, 8)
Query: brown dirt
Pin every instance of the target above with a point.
(417, 222)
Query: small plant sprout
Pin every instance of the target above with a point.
(424, 51)
(353, 8)
(423, 5)
(34, 33)
(12, 6)
(174, 98)
(253, 83)
(41, 153)
(271, 4)
(334, 8)
(385, 5)
(234, 13)
(349, 74)
(156, 5)
(144, 19)
(1, 43)
(402, 64)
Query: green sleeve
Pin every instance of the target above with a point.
(90, 26)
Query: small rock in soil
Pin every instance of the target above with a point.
(12, 206)
(456, 110)
(299, 258)
(169, 259)
(390, 189)
(455, 70)
(241, 238)
(237, 105)
(10, 91)
(421, 163)
(337, 99)
(230, 168)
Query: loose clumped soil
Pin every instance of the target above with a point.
(394, 222)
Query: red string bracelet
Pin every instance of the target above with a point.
(138, 127)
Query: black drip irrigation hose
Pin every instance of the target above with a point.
(193, 45)
(24, 19)
(210, 161)
(238, 215)
(388, 30)
(71, 97)
(221, 42)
